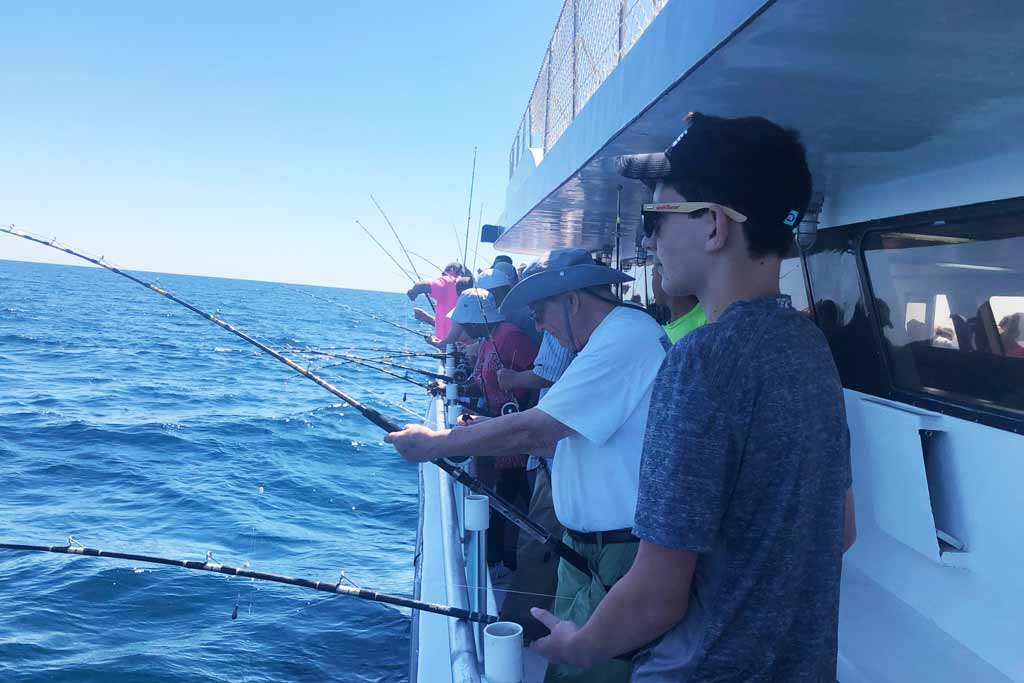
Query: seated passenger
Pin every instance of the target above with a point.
(944, 338)
(594, 416)
(1011, 334)
(744, 507)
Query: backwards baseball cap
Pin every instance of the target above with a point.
(560, 271)
(749, 164)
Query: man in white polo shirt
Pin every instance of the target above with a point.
(595, 416)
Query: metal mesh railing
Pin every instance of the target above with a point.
(590, 39)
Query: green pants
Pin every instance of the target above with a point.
(578, 597)
(536, 566)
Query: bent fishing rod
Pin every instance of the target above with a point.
(502, 506)
(75, 548)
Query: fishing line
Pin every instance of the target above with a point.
(394, 232)
(252, 550)
(502, 506)
(425, 260)
(352, 309)
(387, 253)
(401, 245)
(421, 385)
(366, 362)
(458, 249)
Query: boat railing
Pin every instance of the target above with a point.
(466, 662)
(466, 650)
(590, 39)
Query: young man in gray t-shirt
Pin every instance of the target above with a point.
(744, 508)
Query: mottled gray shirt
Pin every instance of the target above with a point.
(746, 462)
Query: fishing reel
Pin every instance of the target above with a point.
(461, 374)
(509, 408)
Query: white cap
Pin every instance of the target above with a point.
(492, 278)
(477, 306)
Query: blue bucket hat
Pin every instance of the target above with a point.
(560, 271)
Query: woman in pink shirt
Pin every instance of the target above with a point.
(444, 291)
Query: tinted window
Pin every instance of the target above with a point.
(791, 282)
(949, 299)
(840, 311)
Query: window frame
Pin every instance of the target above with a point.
(963, 408)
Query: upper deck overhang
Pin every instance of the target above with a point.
(879, 90)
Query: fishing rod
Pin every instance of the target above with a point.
(458, 249)
(381, 349)
(405, 378)
(394, 232)
(504, 507)
(334, 351)
(425, 259)
(618, 238)
(401, 245)
(352, 309)
(348, 358)
(469, 211)
(387, 253)
(479, 224)
(75, 548)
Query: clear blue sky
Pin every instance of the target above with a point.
(243, 141)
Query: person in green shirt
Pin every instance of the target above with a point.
(685, 312)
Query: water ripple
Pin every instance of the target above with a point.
(135, 426)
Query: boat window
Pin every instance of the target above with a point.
(791, 282)
(949, 299)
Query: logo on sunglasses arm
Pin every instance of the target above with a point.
(791, 218)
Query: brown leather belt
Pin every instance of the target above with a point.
(603, 537)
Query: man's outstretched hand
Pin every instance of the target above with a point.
(416, 443)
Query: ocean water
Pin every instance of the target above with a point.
(136, 426)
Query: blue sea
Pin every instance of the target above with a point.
(134, 425)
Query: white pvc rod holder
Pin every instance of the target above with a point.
(478, 513)
(503, 652)
(478, 518)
